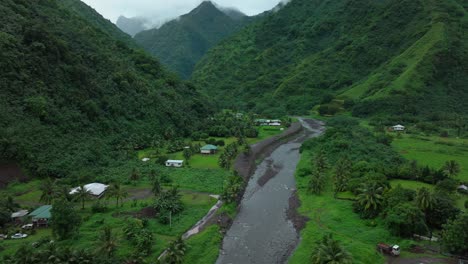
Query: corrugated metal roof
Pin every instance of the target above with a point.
(209, 147)
(42, 212)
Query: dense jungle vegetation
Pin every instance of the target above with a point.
(75, 98)
(391, 57)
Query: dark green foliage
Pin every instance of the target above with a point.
(73, 99)
(405, 219)
(329, 250)
(443, 210)
(65, 220)
(232, 188)
(168, 203)
(51, 253)
(454, 235)
(390, 57)
(182, 42)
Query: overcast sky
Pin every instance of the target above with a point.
(159, 10)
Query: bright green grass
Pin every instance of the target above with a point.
(328, 215)
(202, 180)
(413, 185)
(203, 248)
(434, 151)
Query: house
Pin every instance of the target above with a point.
(261, 122)
(174, 163)
(95, 189)
(41, 216)
(462, 188)
(274, 124)
(398, 128)
(20, 216)
(208, 149)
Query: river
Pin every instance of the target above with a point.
(261, 232)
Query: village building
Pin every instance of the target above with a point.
(174, 163)
(208, 149)
(20, 216)
(398, 128)
(41, 216)
(95, 189)
(462, 188)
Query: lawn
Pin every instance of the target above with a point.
(413, 185)
(328, 215)
(434, 151)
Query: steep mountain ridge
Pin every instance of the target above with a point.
(74, 99)
(369, 51)
(180, 43)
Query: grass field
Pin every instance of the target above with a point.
(413, 185)
(204, 247)
(434, 151)
(328, 215)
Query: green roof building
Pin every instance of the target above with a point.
(41, 216)
(208, 149)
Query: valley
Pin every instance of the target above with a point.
(323, 132)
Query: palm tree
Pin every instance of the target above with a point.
(107, 242)
(342, 173)
(424, 199)
(48, 189)
(370, 197)
(82, 195)
(134, 176)
(317, 182)
(116, 191)
(156, 187)
(451, 168)
(320, 161)
(329, 251)
(176, 252)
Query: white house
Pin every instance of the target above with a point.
(174, 163)
(274, 124)
(398, 128)
(95, 189)
(463, 187)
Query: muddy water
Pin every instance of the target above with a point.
(261, 232)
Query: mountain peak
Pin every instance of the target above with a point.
(205, 7)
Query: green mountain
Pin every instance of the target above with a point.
(97, 20)
(73, 98)
(180, 43)
(389, 56)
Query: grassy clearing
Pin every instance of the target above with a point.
(204, 247)
(434, 151)
(413, 185)
(328, 215)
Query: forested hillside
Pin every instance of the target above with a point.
(73, 98)
(389, 56)
(97, 20)
(182, 42)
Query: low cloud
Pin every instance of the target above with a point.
(158, 11)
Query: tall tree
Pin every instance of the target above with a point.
(82, 194)
(451, 168)
(370, 199)
(320, 161)
(65, 220)
(424, 199)
(49, 191)
(176, 252)
(455, 235)
(317, 182)
(107, 242)
(116, 191)
(156, 188)
(342, 174)
(329, 251)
